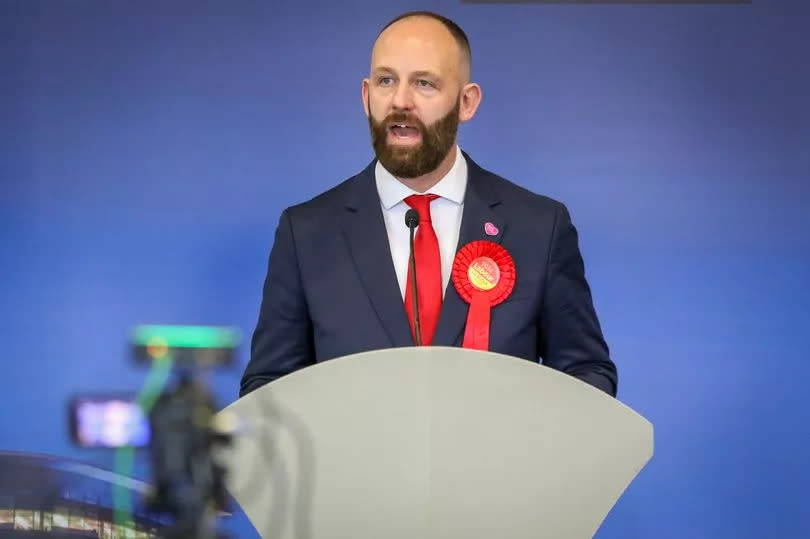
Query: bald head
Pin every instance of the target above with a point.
(417, 93)
(437, 33)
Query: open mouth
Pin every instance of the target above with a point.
(404, 132)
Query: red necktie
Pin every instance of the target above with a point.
(428, 271)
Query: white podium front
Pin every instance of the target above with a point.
(432, 443)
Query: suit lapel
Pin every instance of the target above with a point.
(479, 201)
(364, 228)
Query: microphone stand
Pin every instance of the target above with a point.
(411, 220)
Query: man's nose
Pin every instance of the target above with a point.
(403, 97)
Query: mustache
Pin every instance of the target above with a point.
(403, 118)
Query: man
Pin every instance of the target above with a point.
(339, 280)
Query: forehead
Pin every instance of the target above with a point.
(417, 44)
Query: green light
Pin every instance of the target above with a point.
(156, 381)
(187, 336)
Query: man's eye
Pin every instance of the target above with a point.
(385, 81)
(423, 83)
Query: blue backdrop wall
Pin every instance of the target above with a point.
(147, 149)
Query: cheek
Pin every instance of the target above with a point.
(378, 106)
(433, 112)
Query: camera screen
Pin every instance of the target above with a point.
(112, 422)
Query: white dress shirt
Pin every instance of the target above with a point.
(445, 213)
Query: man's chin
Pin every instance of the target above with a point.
(400, 155)
(399, 167)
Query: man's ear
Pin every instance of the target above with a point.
(471, 96)
(364, 93)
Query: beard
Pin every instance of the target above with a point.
(411, 162)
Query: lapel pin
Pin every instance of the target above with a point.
(490, 229)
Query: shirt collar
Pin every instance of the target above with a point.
(452, 186)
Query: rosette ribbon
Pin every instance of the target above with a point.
(484, 276)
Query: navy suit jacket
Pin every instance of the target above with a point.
(331, 289)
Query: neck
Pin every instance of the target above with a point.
(426, 181)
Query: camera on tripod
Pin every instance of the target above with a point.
(174, 418)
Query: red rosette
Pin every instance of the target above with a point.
(484, 275)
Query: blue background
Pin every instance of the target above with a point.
(147, 149)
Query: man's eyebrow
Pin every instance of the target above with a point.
(422, 73)
(383, 69)
(429, 74)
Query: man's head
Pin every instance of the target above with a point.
(418, 92)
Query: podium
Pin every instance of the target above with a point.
(432, 443)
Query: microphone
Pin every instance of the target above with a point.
(411, 221)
